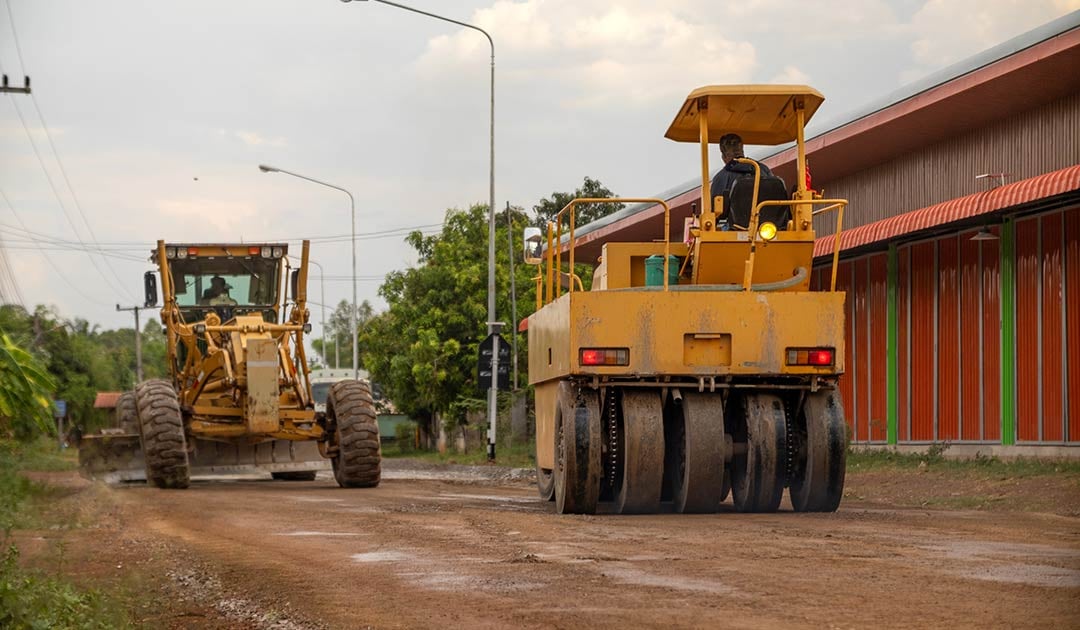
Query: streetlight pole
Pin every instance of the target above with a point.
(492, 325)
(352, 208)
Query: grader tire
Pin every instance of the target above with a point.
(358, 460)
(127, 412)
(163, 442)
(298, 475)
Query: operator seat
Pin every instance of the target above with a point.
(738, 203)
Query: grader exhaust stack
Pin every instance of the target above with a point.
(692, 370)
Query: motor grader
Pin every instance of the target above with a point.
(240, 397)
(691, 369)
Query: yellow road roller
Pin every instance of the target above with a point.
(698, 368)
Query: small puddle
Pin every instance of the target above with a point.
(629, 575)
(315, 499)
(1031, 574)
(320, 534)
(380, 556)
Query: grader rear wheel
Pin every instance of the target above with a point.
(357, 461)
(577, 450)
(817, 483)
(758, 474)
(162, 428)
(127, 413)
(643, 453)
(699, 475)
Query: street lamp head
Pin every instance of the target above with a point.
(267, 169)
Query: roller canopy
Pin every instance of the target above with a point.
(760, 114)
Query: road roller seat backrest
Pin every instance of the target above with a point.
(739, 202)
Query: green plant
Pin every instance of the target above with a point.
(29, 600)
(405, 436)
(25, 392)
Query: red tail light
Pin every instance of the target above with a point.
(817, 357)
(193, 251)
(253, 251)
(604, 356)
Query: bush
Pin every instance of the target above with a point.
(405, 437)
(29, 600)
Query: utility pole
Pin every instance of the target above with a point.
(138, 342)
(25, 89)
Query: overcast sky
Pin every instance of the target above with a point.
(161, 111)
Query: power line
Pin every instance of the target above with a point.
(48, 258)
(60, 164)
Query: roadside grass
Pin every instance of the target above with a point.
(516, 456)
(859, 460)
(31, 598)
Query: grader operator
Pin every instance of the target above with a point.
(240, 398)
(668, 390)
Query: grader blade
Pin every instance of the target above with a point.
(112, 457)
(276, 456)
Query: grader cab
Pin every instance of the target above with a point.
(716, 370)
(240, 397)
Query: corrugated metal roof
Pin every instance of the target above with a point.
(1000, 198)
(106, 400)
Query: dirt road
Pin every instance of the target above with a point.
(443, 550)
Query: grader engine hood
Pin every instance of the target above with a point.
(262, 369)
(258, 366)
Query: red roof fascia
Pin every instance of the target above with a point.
(1007, 196)
(106, 400)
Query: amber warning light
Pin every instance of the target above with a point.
(817, 357)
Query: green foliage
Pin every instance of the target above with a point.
(979, 465)
(25, 392)
(423, 348)
(548, 207)
(338, 351)
(519, 455)
(81, 359)
(30, 600)
(404, 435)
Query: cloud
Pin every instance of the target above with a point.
(253, 139)
(949, 30)
(597, 54)
(226, 217)
(791, 74)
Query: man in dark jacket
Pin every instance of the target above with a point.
(731, 147)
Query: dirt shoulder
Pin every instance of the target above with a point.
(457, 546)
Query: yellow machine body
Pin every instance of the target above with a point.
(740, 311)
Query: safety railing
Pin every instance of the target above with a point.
(555, 234)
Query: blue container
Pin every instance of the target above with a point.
(654, 271)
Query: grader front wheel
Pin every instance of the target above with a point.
(163, 441)
(357, 461)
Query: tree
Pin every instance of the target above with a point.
(423, 348)
(26, 391)
(547, 208)
(338, 351)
